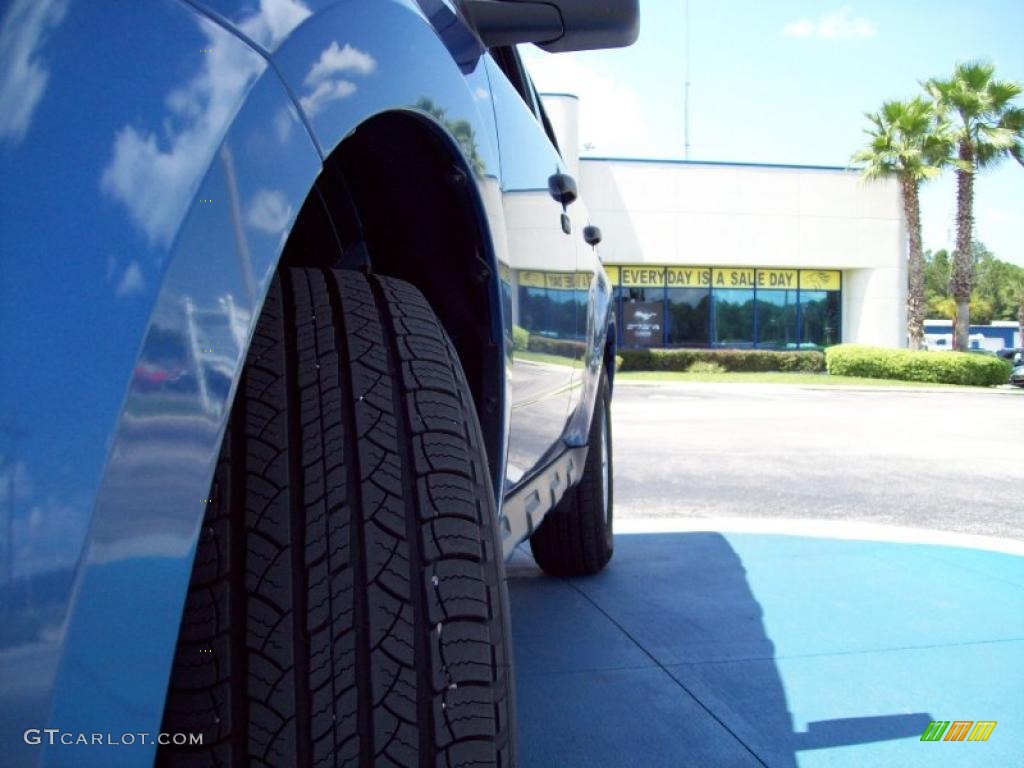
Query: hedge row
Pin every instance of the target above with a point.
(559, 347)
(936, 367)
(523, 340)
(520, 338)
(811, 361)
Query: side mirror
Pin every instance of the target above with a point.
(562, 187)
(556, 25)
(592, 235)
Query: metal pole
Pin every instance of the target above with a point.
(241, 244)
(686, 87)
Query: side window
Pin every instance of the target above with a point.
(547, 123)
(511, 65)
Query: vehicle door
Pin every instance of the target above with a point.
(542, 266)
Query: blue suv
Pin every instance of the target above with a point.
(304, 329)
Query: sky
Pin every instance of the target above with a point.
(788, 81)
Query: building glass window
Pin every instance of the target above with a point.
(819, 318)
(643, 306)
(643, 316)
(770, 307)
(776, 319)
(733, 317)
(688, 316)
(613, 278)
(580, 297)
(562, 313)
(533, 308)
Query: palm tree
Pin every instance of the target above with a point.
(910, 143)
(460, 129)
(1015, 289)
(987, 127)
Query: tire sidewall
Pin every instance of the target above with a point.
(603, 433)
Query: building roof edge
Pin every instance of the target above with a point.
(671, 161)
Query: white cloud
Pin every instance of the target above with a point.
(283, 122)
(337, 60)
(322, 84)
(275, 21)
(838, 25)
(131, 282)
(610, 111)
(156, 175)
(325, 93)
(799, 28)
(23, 72)
(268, 212)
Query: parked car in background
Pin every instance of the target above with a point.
(268, 428)
(1014, 354)
(1017, 375)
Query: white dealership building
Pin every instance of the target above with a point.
(743, 255)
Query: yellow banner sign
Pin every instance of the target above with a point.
(688, 277)
(719, 277)
(820, 280)
(640, 277)
(556, 281)
(531, 279)
(736, 277)
(776, 279)
(567, 281)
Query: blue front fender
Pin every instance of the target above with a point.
(153, 186)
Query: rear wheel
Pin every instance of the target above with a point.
(576, 537)
(347, 603)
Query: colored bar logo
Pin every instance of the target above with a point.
(958, 730)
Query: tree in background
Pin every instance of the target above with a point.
(995, 295)
(1015, 287)
(993, 282)
(987, 127)
(460, 129)
(908, 142)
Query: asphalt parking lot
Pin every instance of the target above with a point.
(704, 645)
(950, 460)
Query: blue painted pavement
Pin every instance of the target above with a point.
(708, 649)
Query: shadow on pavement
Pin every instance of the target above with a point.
(663, 659)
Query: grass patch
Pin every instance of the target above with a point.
(705, 367)
(768, 377)
(543, 357)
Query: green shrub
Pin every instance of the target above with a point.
(520, 338)
(618, 363)
(902, 364)
(559, 347)
(806, 361)
(705, 366)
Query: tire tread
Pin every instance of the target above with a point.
(347, 604)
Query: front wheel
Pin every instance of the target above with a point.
(576, 537)
(347, 604)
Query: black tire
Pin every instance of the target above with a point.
(576, 537)
(347, 603)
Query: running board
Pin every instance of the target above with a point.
(524, 509)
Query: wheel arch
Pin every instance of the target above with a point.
(398, 196)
